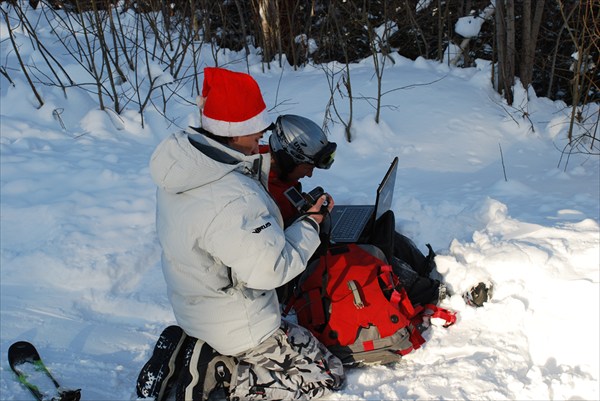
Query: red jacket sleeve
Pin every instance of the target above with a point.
(277, 189)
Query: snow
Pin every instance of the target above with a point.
(469, 26)
(80, 269)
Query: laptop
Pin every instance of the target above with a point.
(348, 222)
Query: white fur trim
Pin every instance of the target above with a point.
(254, 125)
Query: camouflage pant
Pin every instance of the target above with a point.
(290, 365)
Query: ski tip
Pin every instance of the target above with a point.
(70, 395)
(21, 351)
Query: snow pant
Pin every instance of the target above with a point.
(290, 365)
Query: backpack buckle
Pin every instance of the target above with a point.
(358, 302)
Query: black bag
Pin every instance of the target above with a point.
(409, 264)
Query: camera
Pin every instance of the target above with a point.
(305, 201)
(315, 194)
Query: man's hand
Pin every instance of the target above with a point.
(316, 213)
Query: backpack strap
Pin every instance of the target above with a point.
(309, 295)
(316, 307)
(398, 297)
(429, 264)
(433, 311)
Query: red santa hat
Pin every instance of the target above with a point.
(231, 104)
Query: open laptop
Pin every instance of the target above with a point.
(348, 222)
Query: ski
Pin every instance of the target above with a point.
(32, 373)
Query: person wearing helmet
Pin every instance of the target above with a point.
(297, 146)
(297, 140)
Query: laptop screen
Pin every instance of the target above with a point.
(385, 192)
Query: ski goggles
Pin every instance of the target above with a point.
(324, 158)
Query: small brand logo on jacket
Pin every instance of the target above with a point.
(259, 229)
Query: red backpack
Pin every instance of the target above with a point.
(352, 301)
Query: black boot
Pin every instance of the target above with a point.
(160, 372)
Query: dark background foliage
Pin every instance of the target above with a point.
(319, 31)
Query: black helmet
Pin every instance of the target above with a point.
(301, 140)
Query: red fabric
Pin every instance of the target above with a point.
(236, 96)
(434, 311)
(360, 290)
(277, 188)
(345, 318)
(316, 307)
(368, 345)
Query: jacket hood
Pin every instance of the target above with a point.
(177, 165)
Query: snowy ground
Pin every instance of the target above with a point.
(80, 262)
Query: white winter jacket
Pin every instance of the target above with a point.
(224, 247)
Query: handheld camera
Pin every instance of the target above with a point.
(304, 201)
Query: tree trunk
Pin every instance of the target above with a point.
(501, 43)
(531, 28)
(505, 35)
(511, 50)
(266, 14)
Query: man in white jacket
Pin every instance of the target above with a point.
(225, 251)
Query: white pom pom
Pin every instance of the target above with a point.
(200, 100)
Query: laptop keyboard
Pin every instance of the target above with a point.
(346, 228)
